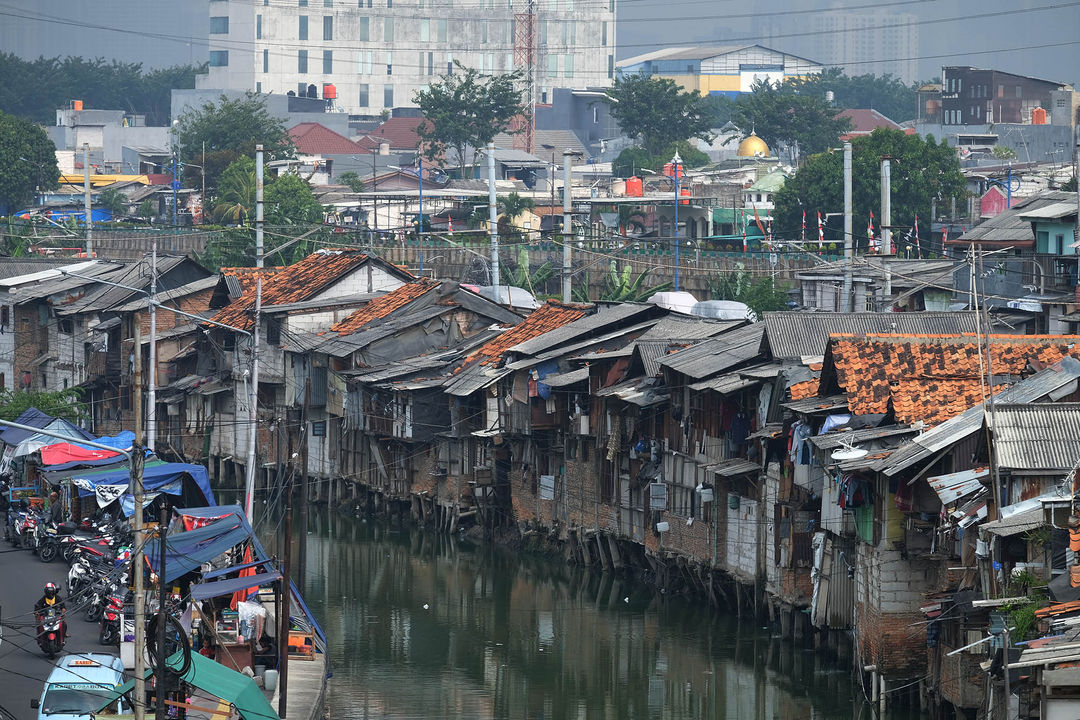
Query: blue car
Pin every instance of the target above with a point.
(80, 685)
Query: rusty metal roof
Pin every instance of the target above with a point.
(792, 335)
(953, 486)
(717, 354)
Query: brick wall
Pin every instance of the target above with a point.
(895, 642)
(694, 541)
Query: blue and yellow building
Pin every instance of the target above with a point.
(719, 69)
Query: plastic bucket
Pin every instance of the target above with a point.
(270, 680)
(260, 670)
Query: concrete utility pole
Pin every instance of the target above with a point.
(86, 200)
(302, 549)
(849, 300)
(567, 225)
(675, 163)
(1076, 178)
(253, 407)
(137, 379)
(286, 599)
(258, 206)
(493, 218)
(160, 711)
(151, 411)
(139, 700)
(886, 224)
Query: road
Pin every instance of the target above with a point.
(23, 667)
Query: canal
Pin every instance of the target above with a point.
(426, 626)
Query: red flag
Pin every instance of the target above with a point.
(870, 232)
(450, 225)
(803, 235)
(918, 247)
(820, 229)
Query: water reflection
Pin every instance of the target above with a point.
(423, 626)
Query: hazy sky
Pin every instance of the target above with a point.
(951, 32)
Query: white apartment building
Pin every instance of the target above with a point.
(861, 43)
(379, 53)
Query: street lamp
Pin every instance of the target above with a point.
(675, 163)
(419, 175)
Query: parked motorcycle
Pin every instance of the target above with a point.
(51, 631)
(109, 634)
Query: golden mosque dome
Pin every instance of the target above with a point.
(753, 146)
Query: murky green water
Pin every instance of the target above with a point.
(423, 626)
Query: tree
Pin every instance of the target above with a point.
(621, 286)
(236, 192)
(885, 93)
(230, 128)
(352, 181)
(510, 206)
(657, 113)
(27, 162)
(66, 403)
(147, 209)
(289, 201)
(466, 109)
(921, 171)
(782, 117)
(761, 295)
(633, 160)
(114, 201)
(522, 276)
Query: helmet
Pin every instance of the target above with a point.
(51, 590)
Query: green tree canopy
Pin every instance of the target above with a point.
(779, 116)
(289, 201)
(657, 113)
(27, 162)
(34, 89)
(885, 93)
(466, 109)
(114, 201)
(632, 160)
(230, 128)
(352, 181)
(921, 171)
(66, 404)
(236, 192)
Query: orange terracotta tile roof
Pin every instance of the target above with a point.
(805, 389)
(248, 275)
(549, 316)
(294, 283)
(933, 377)
(383, 305)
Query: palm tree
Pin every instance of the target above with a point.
(236, 191)
(510, 207)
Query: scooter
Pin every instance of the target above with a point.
(51, 631)
(110, 619)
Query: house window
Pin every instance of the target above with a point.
(303, 3)
(388, 30)
(388, 96)
(266, 61)
(1019, 91)
(365, 63)
(219, 58)
(328, 27)
(44, 382)
(258, 87)
(483, 31)
(66, 326)
(389, 63)
(603, 33)
(553, 65)
(301, 62)
(3, 382)
(219, 25)
(442, 30)
(328, 3)
(431, 63)
(611, 66)
(1059, 245)
(328, 62)
(425, 30)
(362, 96)
(363, 28)
(258, 27)
(318, 429)
(5, 316)
(595, 115)
(303, 27)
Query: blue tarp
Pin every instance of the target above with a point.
(155, 476)
(123, 440)
(228, 587)
(32, 417)
(186, 551)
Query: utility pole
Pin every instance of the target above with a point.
(136, 394)
(886, 224)
(302, 550)
(139, 700)
(849, 301)
(1076, 179)
(567, 225)
(258, 206)
(493, 219)
(86, 201)
(286, 600)
(151, 411)
(253, 408)
(202, 175)
(160, 711)
(675, 163)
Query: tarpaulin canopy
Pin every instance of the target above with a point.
(59, 426)
(156, 476)
(186, 551)
(218, 680)
(235, 568)
(228, 587)
(30, 416)
(68, 452)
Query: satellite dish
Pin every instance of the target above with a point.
(847, 451)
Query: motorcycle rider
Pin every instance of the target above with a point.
(51, 600)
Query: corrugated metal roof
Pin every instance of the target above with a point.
(842, 437)
(650, 353)
(730, 468)
(25, 266)
(67, 284)
(1037, 436)
(207, 283)
(1009, 226)
(473, 378)
(793, 335)
(717, 354)
(566, 378)
(953, 486)
(1053, 211)
(604, 316)
(672, 328)
(641, 391)
(955, 429)
(107, 297)
(1016, 524)
(726, 384)
(611, 340)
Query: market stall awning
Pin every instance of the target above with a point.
(157, 476)
(218, 588)
(220, 681)
(32, 417)
(186, 551)
(63, 452)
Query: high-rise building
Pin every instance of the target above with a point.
(378, 53)
(860, 43)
